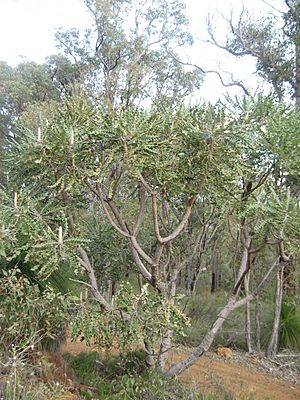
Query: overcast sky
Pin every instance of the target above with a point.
(27, 28)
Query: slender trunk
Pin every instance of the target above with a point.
(214, 260)
(113, 291)
(206, 342)
(248, 315)
(231, 305)
(166, 342)
(140, 281)
(196, 275)
(273, 342)
(149, 355)
(297, 73)
(188, 279)
(257, 325)
(165, 347)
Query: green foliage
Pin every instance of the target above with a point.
(134, 58)
(28, 314)
(272, 41)
(140, 316)
(175, 150)
(289, 334)
(125, 378)
(26, 84)
(30, 236)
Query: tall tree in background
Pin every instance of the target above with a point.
(25, 85)
(127, 55)
(273, 40)
(28, 83)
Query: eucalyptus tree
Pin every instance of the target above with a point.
(272, 40)
(126, 57)
(26, 84)
(22, 86)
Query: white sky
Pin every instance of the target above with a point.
(27, 29)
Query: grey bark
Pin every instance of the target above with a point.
(257, 325)
(231, 305)
(248, 315)
(273, 342)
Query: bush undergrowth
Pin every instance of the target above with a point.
(127, 378)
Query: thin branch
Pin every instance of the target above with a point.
(196, 246)
(274, 8)
(139, 220)
(263, 178)
(142, 179)
(140, 251)
(184, 220)
(288, 3)
(208, 339)
(85, 262)
(228, 84)
(124, 231)
(99, 194)
(132, 239)
(258, 248)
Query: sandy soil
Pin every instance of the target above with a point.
(244, 383)
(213, 376)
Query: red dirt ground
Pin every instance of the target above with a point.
(213, 376)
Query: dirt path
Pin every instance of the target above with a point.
(213, 376)
(244, 383)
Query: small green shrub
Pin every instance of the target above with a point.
(149, 317)
(289, 336)
(125, 378)
(21, 370)
(28, 312)
(289, 329)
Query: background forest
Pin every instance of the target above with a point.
(135, 221)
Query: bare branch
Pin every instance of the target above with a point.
(139, 220)
(85, 262)
(208, 339)
(274, 8)
(124, 231)
(289, 4)
(197, 245)
(184, 220)
(228, 84)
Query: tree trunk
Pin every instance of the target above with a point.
(165, 346)
(149, 355)
(273, 342)
(206, 342)
(297, 57)
(196, 274)
(248, 315)
(231, 305)
(257, 325)
(188, 280)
